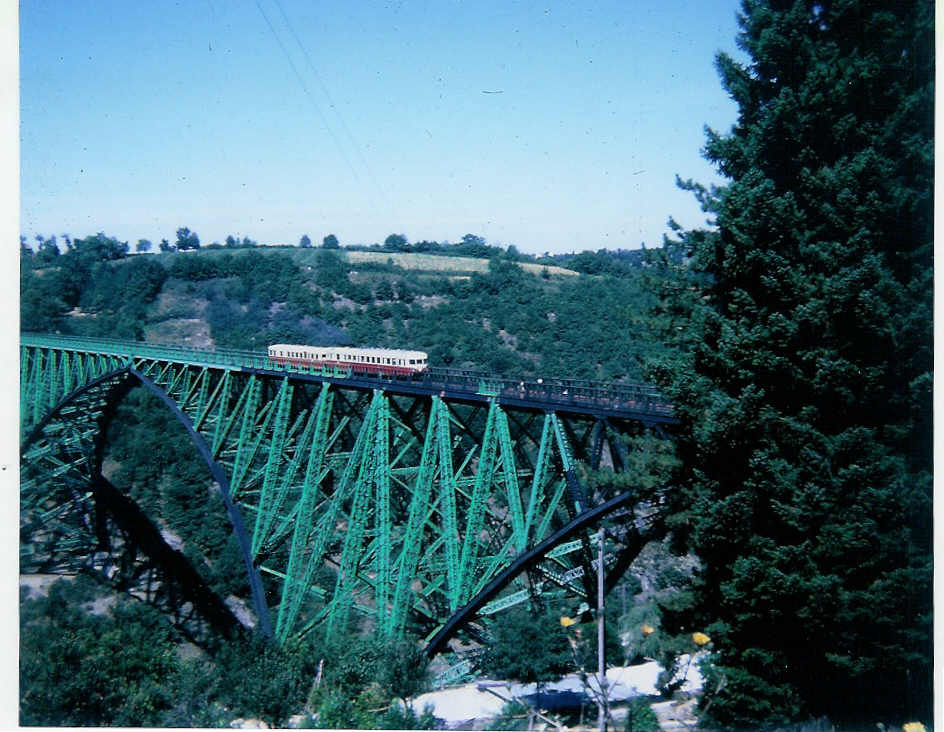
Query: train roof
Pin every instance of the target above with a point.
(349, 350)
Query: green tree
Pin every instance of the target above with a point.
(803, 381)
(79, 670)
(47, 252)
(402, 670)
(166, 246)
(98, 248)
(187, 239)
(143, 245)
(396, 242)
(473, 240)
(529, 646)
(331, 270)
(330, 242)
(384, 290)
(305, 241)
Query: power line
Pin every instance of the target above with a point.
(308, 94)
(331, 104)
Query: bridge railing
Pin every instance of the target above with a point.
(137, 349)
(553, 392)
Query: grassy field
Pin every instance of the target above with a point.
(432, 263)
(438, 263)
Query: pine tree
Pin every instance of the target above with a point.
(805, 385)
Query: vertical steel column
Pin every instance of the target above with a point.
(439, 413)
(268, 504)
(382, 526)
(476, 511)
(410, 552)
(360, 462)
(304, 557)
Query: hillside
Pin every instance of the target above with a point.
(494, 314)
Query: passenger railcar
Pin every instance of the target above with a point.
(361, 360)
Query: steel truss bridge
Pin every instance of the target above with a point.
(420, 504)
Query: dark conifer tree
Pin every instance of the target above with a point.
(805, 383)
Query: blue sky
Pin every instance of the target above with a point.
(550, 126)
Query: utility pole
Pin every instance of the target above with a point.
(601, 700)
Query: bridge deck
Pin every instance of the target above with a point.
(600, 399)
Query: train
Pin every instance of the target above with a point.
(383, 361)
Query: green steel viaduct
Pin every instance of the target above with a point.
(422, 504)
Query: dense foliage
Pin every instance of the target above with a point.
(80, 669)
(804, 373)
(89, 659)
(503, 320)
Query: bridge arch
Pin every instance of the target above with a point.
(632, 545)
(95, 402)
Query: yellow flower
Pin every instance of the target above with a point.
(566, 621)
(647, 629)
(700, 638)
(913, 727)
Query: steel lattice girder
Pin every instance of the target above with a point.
(400, 507)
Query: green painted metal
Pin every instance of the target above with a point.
(476, 512)
(383, 519)
(396, 507)
(269, 496)
(503, 603)
(310, 534)
(447, 492)
(416, 522)
(512, 491)
(353, 485)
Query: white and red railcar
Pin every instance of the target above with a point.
(360, 360)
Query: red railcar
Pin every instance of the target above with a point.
(360, 360)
